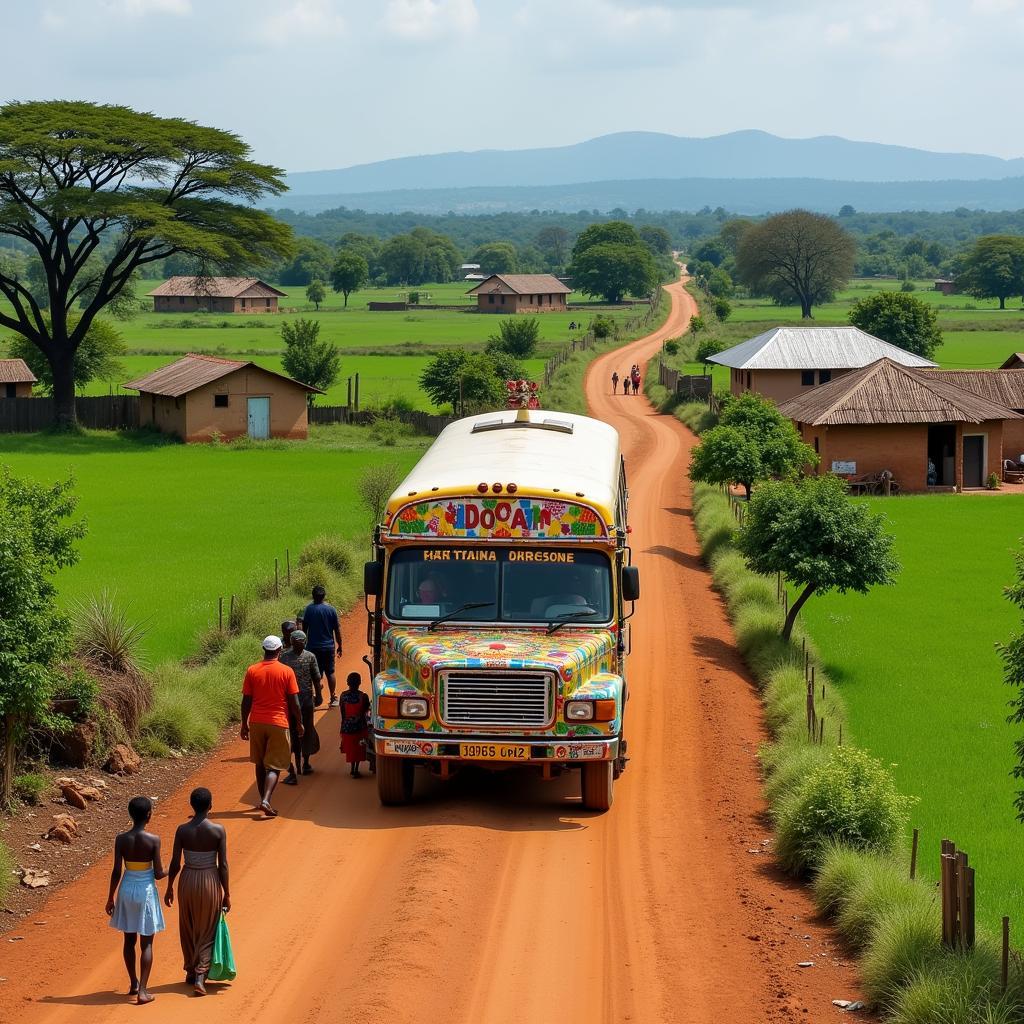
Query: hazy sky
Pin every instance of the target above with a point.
(317, 84)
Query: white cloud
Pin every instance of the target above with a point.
(316, 19)
(430, 19)
(143, 8)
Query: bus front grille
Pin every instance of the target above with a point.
(504, 699)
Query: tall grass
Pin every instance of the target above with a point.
(194, 702)
(6, 872)
(839, 815)
(106, 635)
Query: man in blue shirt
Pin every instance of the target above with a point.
(319, 621)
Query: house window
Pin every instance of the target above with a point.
(503, 300)
(817, 450)
(11, 391)
(490, 299)
(220, 401)
(531, 300)
(181, 300)
(824, 376)
(748, 380)
(267, 303)
(243, 303)
(807, 378)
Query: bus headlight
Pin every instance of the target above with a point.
(579, 710)
(413, 707)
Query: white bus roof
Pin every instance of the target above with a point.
(573, 455)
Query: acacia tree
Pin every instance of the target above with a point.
(817, 538)
(796, 256)
(96, 358)
(900, 319)
(994, 268)
(614, 269)
(517, 335)
(99, 191)
(316, 292)
(36, 542)
(460, 379)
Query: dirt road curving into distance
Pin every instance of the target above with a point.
(491, 900)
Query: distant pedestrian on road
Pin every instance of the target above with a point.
(311, 695)
(625, 385)
(203, 891)
(355, 706)
(136, 910)
(319, 621)
(615, 381)
(287, 628)
(636, 380)
(269, 690)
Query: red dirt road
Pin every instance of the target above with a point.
(493, 900)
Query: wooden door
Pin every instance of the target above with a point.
(259, 418)
(974, 460)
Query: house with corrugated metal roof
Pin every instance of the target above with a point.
(16, 379)
(918, 424)
(786, 362)
(200, 398)
(215, 295)
(521, 293)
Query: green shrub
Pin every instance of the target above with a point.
(104, 634)
(604, 327)
(388, 431)
(671, 347)
(716, 527)
(787, 766)
(6, 873)
(905, 942)
(152, 746)
(753, 589)
(841, 868)
(30, 787)
(954, 988)
(191, 707)
(697, 416)
(759, 640)
(397, 405)
(850, 798)
(332, 551)
(81, 688)
(728, 568)
(882, 885)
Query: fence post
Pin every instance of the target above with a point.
(277, 581)
(220, 614)
(1004, 965)
(231, 613)
(913, 855)
(288, 566)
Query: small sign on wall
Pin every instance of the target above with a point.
(844, 468)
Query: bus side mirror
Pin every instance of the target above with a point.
(630, 583)
(373, 577)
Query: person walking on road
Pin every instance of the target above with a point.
(355, 707)
(311, 695)
(203, 891)
(615, 382)
(287, 628)
(269, 690)
(136, 910)
(319, 621)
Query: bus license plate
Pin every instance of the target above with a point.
(495, 751)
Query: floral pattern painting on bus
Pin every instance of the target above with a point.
(498, 518)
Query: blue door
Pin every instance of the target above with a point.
(259, 418)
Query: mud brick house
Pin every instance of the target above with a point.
(789, 361)
(215, 295)
(888, 416)
(1015, 362)
(16, 379)
(520, 293)
(1003, 387)
(201, 397)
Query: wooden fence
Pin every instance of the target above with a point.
(692, 387)
(105, 412)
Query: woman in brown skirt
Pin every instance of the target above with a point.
(203, 890)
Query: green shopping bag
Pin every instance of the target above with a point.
(222, 963)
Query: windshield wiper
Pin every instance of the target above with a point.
(459, 611)
(556, 624)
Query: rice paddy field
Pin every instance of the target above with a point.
(387, 349)
(172, 527)
(917, 666)
(976, 333)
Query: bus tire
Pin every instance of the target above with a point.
(596, 782)
(394, 780)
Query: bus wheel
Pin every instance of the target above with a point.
(394, 780)
(596, 784)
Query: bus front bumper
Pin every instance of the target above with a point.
(504, 749)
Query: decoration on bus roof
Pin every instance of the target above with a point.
(522, 394)
(498, 518)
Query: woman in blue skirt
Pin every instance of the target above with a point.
(136, 910)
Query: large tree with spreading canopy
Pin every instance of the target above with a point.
(98, 192)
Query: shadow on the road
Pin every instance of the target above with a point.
(721, 652)
(109, 998)
(512, 800)
(683, 558)
(686, 512)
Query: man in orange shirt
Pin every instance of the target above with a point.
(268, 691)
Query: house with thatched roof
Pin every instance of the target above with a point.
(786, 362)
(927, 431)
(215, 295)
(200, 398)
(520, 293)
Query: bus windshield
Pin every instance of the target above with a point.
(504, 584)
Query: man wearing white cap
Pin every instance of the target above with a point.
(268, 691)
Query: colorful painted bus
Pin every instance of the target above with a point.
(498, 605)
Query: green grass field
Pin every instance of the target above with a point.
(387, 349)
(918, 669)
(172, 527)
